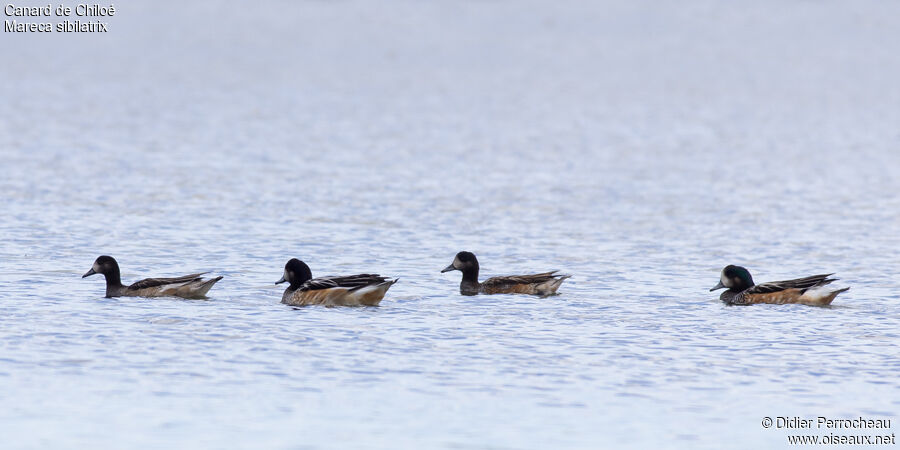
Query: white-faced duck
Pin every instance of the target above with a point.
(188, 286)
(354, 290)
(805, 291)
(537, 284)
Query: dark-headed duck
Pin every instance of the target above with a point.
(806, 291)
(353, 290)
(188, 286)
(537, 284)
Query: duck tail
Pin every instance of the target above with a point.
(823, 297)
(371, 295)
(550, 287)
(205, 286)
(835, 293)
(383, 287)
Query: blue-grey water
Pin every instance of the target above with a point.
(639, 146)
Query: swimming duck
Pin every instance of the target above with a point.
(538, 284)
(806, 291)
(188, 286)
(354, 290)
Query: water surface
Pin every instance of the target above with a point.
(639, 147)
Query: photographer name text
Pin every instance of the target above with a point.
(824, 423)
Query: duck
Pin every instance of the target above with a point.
(189, 286)
(354, 290)
(804, 291)
(542, 284)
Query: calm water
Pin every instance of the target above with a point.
(638, 146)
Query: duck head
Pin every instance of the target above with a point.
(467, 263)
(108, 267)
(463, 261)
(735, 278)
(105, 265)
(296, 273)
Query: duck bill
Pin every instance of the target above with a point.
(89, 273)
(449, 268)
(718, 286)
(282, 280)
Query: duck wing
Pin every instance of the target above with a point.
(538, 278)
(800, 283)
(351, 282)
(155, 282)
